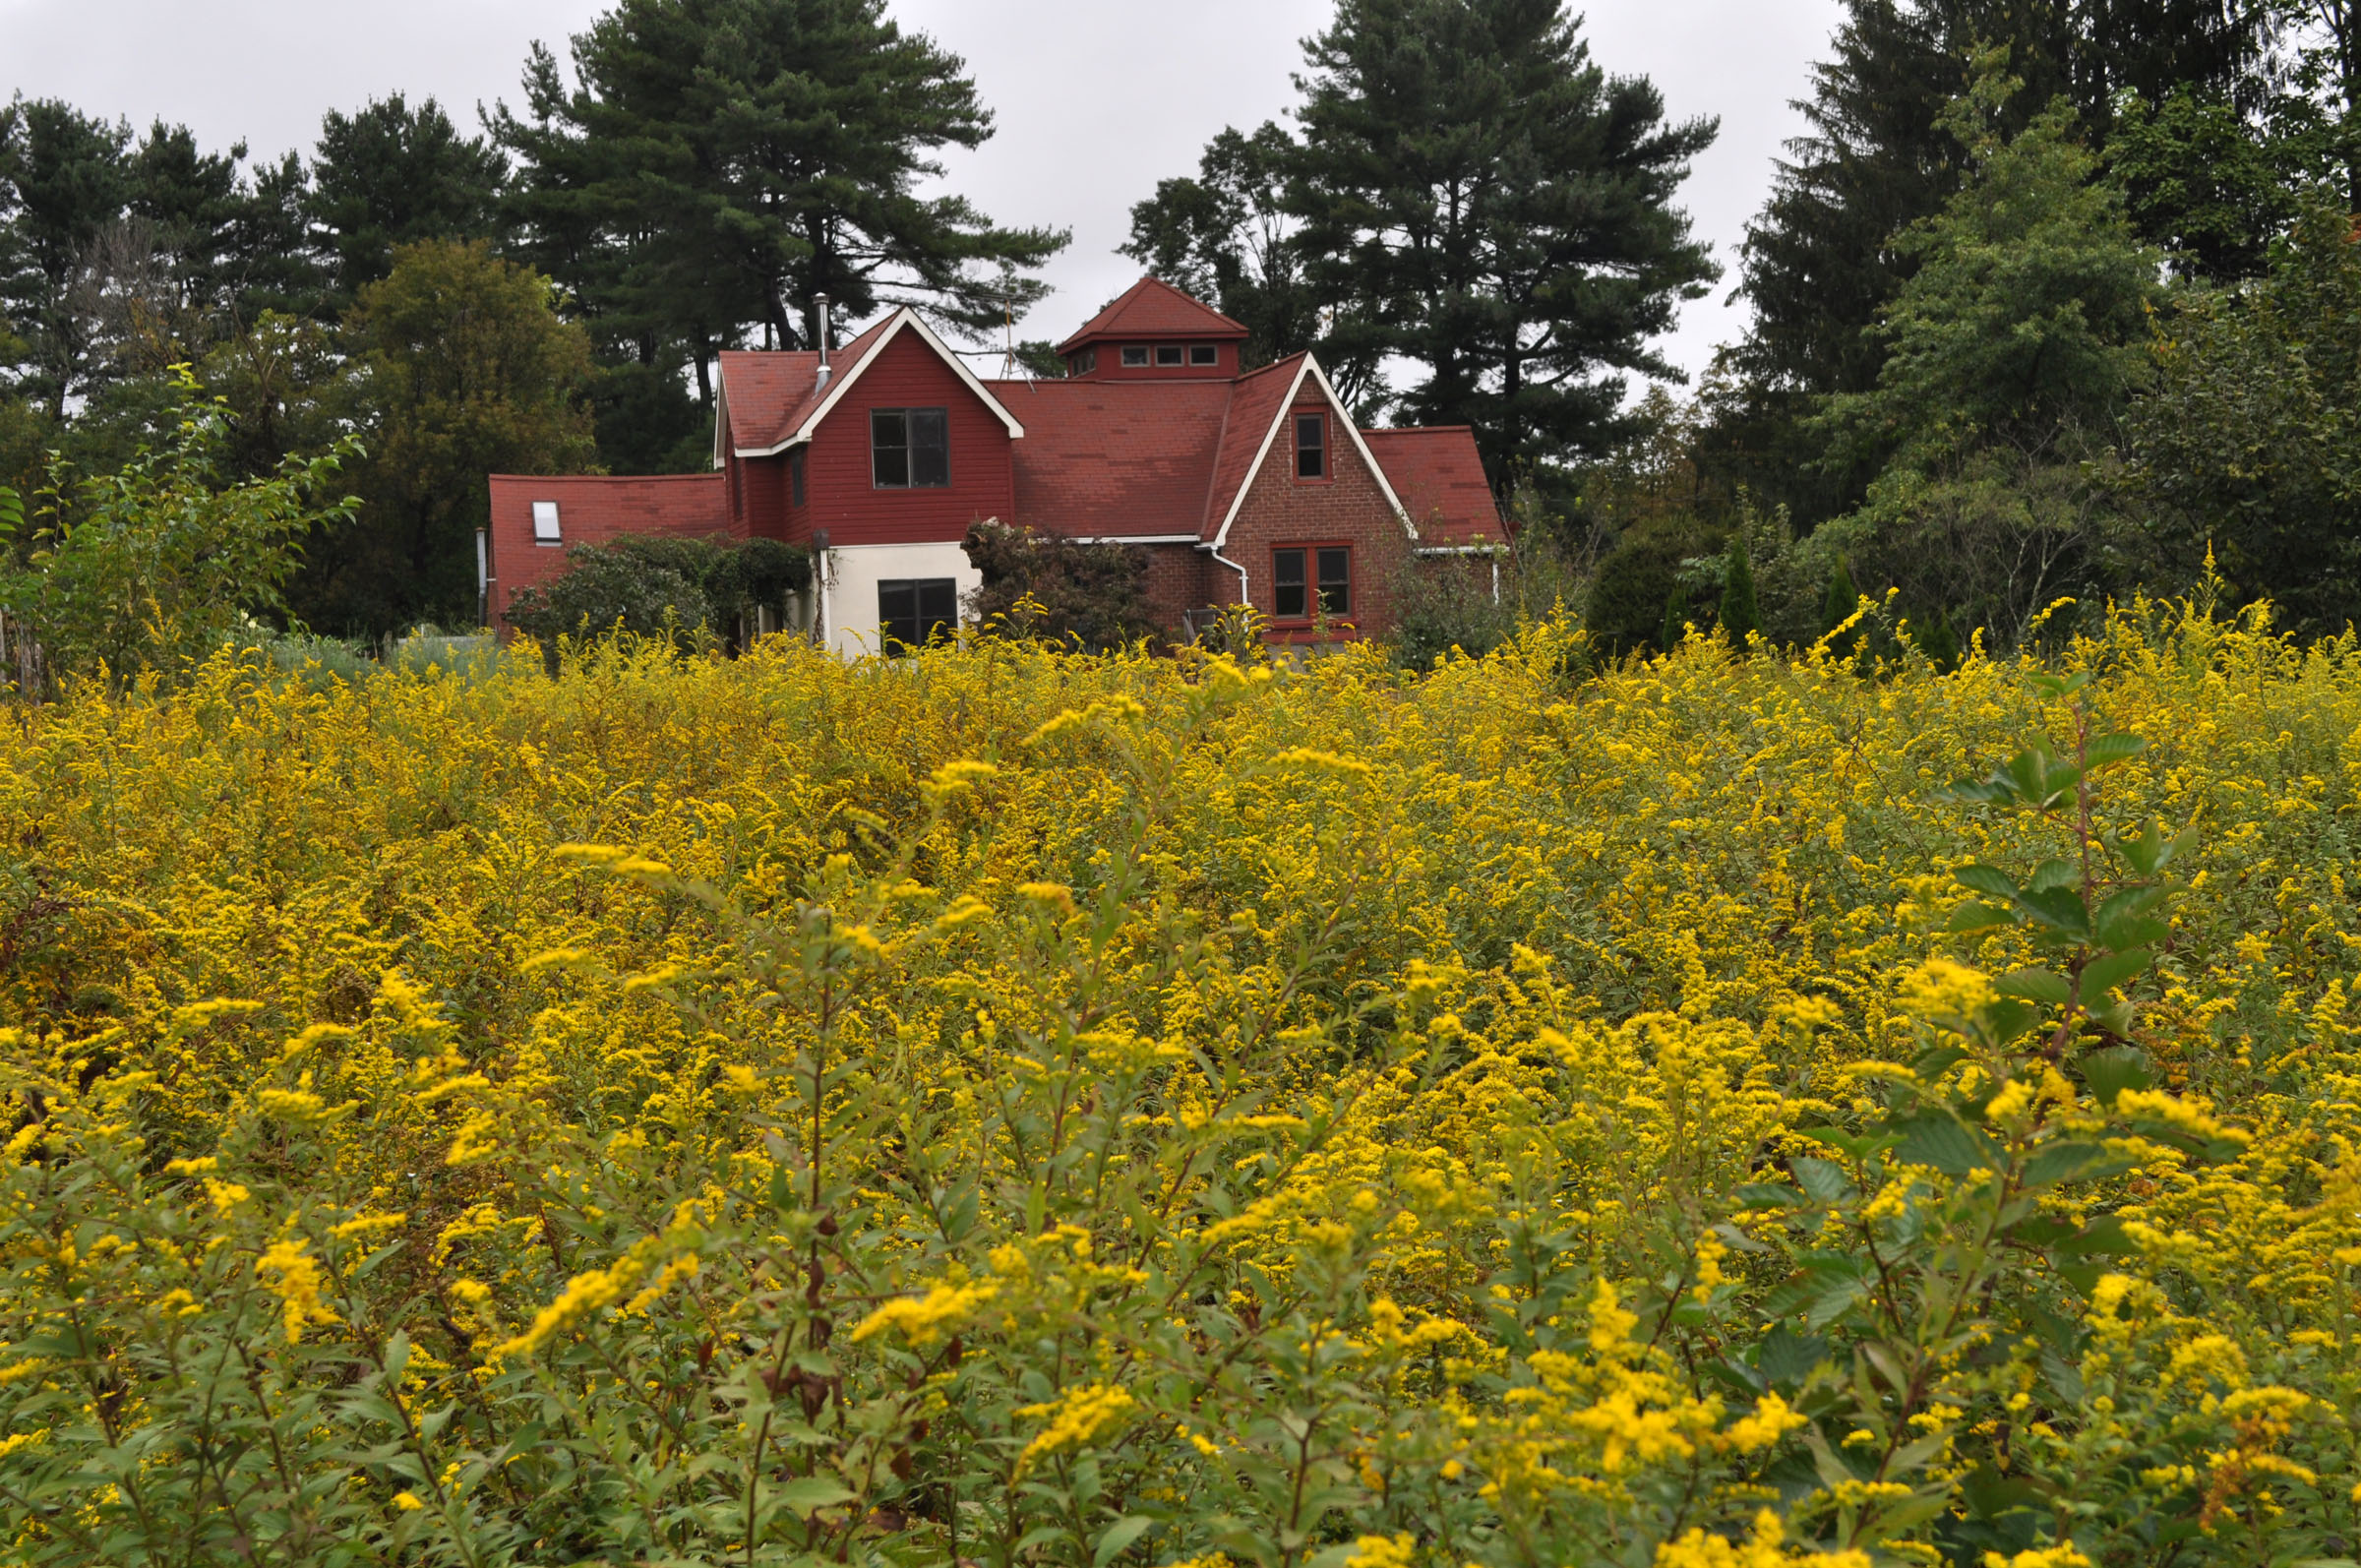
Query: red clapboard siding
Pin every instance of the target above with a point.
(844, 502)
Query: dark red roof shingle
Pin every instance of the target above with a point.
(1438, 477)
(1154, 308)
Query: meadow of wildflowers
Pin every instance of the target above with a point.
(1003, 1107)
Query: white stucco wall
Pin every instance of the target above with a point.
(848, 586)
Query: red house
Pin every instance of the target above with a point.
(1243, 487)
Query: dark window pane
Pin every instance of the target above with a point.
(889, 447)
(1135, 357)
(1168, 354)
(897, 614)
(913, 611)
(930, 448)
(1311, 457)
(1204, 354)
(938, 608)
(1336, 582)
(1288, 602)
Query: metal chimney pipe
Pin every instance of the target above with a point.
(820, 312)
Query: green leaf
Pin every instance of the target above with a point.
(2124, 905)
(2104, 973)
(1123, 1533)
(2103, 1237)
(2114, 1017)
(1947, 1144)
(2035, 985)
(1787, 1358)
(1977, 916)
(2054, 873)
(1825, 1180)
(807, 1494)
(1769, 1196)
(2110, 751)
(2054, 1163)
(2111, 1070)
(1987, 880)
(2060, 909)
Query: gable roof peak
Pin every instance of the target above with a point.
(1154, 308)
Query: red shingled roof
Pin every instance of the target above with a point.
(1154, 308)
(1255, 404)
(1113, 458)
(1436, 471)
(592, 509)
(769, 392)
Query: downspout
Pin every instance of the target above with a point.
(1245, 597)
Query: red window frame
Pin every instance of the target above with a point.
(1312, 584)
(1294, 442)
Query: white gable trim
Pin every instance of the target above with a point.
(903, 319)
(721, 418)
(1344, 417)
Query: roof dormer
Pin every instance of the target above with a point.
(1153, 332)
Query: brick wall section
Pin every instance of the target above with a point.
(1349, 510)
(1178, 583)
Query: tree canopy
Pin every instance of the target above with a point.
(716, 164)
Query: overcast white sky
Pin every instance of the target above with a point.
(1096, 100)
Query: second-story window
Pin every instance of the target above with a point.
(1136, 355)
(1168, 354)
(1311, 446)
(1204, 354)
(909, 449)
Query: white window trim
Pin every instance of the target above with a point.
(547, 530)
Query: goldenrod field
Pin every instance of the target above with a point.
(1007, 1107)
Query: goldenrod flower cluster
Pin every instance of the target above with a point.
(1010, 1107)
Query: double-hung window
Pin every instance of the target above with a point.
(1311, 446)
(909, 449)
(795, 476)
(1297, 572)
(913, 611)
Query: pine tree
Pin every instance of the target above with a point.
(1224, 236)
(723, 161)
(1843, 599)
(1817, 266)
(1741, 618)
(1482, 201)
(64, 180)
(1670, 635)
(391, 175)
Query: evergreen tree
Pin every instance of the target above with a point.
(1676, 624)
(2012, 354)
(1817, 266)
(391, 175)
(1843, 601)
(720, 162)
(1482, 202)
(1227, 237)
(1740, 617)
(66, 178)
